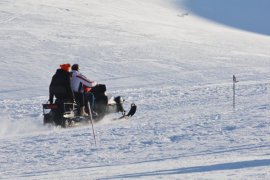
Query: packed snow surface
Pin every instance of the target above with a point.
(174, 58)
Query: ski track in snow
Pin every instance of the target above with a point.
(196, 123)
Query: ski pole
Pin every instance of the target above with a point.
(91, 119)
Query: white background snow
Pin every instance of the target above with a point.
(175, 59)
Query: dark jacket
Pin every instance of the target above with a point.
(60, 86)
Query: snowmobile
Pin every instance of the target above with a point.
(66, 114)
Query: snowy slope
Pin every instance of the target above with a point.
(175, 59)
(250, 15)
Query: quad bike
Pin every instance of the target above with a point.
(67, 114)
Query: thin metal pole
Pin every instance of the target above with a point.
(91, 119)
(233, 95)
(234, 82)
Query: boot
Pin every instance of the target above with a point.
(82, 112)
(94, 114)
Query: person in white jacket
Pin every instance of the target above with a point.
(79, 83)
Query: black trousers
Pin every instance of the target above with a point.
(79, 98)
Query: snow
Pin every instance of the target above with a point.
(175, 59)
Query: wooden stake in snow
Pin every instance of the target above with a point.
(234, 82)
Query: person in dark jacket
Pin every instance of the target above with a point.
(60, 86)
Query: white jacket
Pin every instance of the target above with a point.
(77, 80)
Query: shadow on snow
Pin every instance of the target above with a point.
(198, 169)
(242, 14)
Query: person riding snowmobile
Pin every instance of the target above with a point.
(60, 86)
(79, 83)
(65, 111)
